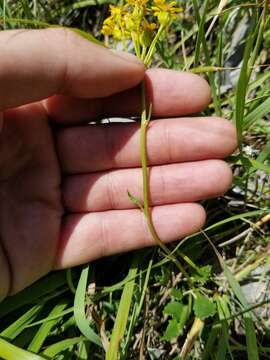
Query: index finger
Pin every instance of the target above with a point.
(36, 64)
(171, 93)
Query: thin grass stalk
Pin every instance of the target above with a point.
(262, 24)
(201, 23)
(242, 85)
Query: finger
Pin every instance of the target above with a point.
(101, 147)
(1, 121)
(88, 237)
(169, 184)
(58, 61)
(4, 274)
(171, 93)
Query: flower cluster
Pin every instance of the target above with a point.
(165, 11)
(142, 21)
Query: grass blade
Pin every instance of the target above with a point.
(258, 113)
(250, 332)
(12, 352)
(260, 166)
(46, 327)
(202, 40)
(11, 332)
(242, 85)
(49, 318)
(265, 153)
(45, 286)
(79, 309)
(122, 313)
(60, 346)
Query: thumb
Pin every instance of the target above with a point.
(36, 64)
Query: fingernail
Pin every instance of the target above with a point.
(127, 56)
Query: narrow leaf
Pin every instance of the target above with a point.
(12, 352)
(16, 328)
(122, 314)
(79, 309)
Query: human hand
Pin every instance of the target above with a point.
(63, 191)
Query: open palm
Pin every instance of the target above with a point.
(63, 192)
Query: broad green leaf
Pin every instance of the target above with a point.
(172, 331)
(174, 309)
(203, 274)
(203, 307)
(180, 313)
(177, 293)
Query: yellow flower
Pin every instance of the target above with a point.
(163, 5)
(118, 33)
(108, 26)
(114, 25)
(165, 11)
(132, 21)
(139, 3)
(129, 22)
(116, 11)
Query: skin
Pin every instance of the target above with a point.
(63, 191)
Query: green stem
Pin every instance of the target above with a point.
(152, 47)
(136, 45)
(144, 49)
(146, 208)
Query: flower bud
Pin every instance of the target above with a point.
(164, 18)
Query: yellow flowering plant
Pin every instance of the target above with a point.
(142, 22)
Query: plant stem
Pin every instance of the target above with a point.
(145, 118)
(152, 47)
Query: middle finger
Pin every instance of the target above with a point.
(169, 184)
(94, 148)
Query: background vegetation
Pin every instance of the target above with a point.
(138, 305)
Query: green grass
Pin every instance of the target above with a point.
(141, 305)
